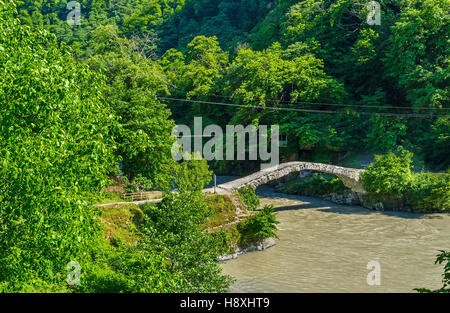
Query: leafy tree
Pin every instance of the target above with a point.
(389, 175)
(133, 83)
(195, 73)
(418, 56)
(384, 133)
(174, 230)
(279, 78)
(438, 144)
(192, 174)
(259, 226)
(56, 144)
(229, 20)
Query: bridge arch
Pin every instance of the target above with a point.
(350, 177)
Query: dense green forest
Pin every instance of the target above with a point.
(77, 99)
(320, 55)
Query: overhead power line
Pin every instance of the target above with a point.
(389, 106)
(431, 115)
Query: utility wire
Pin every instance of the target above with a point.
(303, 110)
(335, 104)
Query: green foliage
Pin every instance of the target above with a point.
(316, 185)
(56, 145)
(249, 197)
(139, 183)
(389, 175)
(52, 160)
(128, 269)
(64, 127)
(195, 73)
(438, 144)
(385, 133)
(271, 76)
(192, 174)
(133, 82)
(174, 229)
(173, 251)
(301, 54)
(442, 258)
(429, 192)
(229, 20)
(418, 56)
(136, 19)
(258, 227)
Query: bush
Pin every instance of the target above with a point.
(249, 197)
(316, 185)
(139, 183)
(173, 252)
(429, 191)
(389, 174)
(192, 175)
(174, 229)
(258, 227)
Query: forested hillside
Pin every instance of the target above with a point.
(312, 54)
(77, 100)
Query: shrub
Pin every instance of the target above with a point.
(174, 230)
(139, 183)
(192, 174)
(316, 185)
(258, 227)
(249, 197)
(429, 191)
(389, 175)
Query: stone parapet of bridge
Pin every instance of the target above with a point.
(350, 177)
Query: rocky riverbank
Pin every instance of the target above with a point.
(263, 245)
(303, 184)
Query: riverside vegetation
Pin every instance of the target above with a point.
(388, 180)
(76, 100)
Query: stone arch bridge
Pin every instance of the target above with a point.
(349, 176)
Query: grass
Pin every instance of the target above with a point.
(222, 208)
(119, 223)
(107, 197)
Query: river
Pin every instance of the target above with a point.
(326, 247)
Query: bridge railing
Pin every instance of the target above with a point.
(138, 196)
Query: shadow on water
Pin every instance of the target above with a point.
(364, 211)
(326, 206)
(295, 207)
